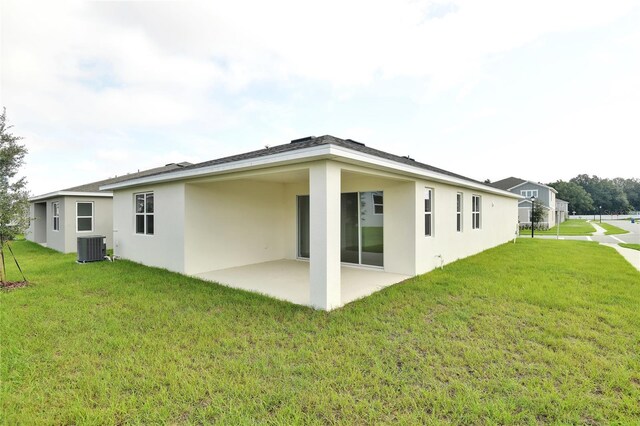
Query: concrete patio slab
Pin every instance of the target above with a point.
(289, 280)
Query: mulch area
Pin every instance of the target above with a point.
(10, 285)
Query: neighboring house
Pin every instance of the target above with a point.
(319, 221)
(58, 218)
(544, 194)
(562, 210)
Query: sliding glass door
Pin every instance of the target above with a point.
(303, 226)
(362, 225)
(349, 228)
(361, 228)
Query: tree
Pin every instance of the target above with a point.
(579, 200)
(14, 204)
(631, 188)
(606, 195)
(538, 214)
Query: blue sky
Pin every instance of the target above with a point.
(541, 90)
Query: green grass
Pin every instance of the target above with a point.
(568, 227)
(612, 230)
(630, 246)
(533, 332)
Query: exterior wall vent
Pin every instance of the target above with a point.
(91, 248)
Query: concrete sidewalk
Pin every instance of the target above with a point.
(632, 256)
(599, 229)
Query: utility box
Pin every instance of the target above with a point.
(92, 248)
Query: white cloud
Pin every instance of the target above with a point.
(79, 76)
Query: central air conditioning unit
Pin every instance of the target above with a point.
(91, 248)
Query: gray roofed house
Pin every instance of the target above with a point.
(562, 210)
(508, 183)
(58, 218)
(319, 221)
(302, 144)
(544, 194)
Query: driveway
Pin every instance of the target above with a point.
(632, 237)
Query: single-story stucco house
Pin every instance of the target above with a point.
(58, 218)
(320, 221)
(545, 195)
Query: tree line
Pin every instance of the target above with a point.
(591, 194)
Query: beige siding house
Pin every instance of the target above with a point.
(58, 218)
(320, 221)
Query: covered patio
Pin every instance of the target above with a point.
(318, 234)
(289, 280)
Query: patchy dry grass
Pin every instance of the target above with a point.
(533, 332)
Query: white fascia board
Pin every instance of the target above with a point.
(71, 194)
(295, 156)
(327, 151)
(416, 172)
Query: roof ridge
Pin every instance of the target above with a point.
(309, 142)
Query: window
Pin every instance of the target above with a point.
(144, 213)
(378, 207)
(56, 215)
(84, 217)
(428, 212)
(528, 193)
(459, 212)
(475, 212)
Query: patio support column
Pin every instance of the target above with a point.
(324, 257)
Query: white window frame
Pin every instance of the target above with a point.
(429, 195)
(373, 201)
(144, 214)
(93, 212)
(459, 211)
(55, 206)
(476, 212)
(528, 193)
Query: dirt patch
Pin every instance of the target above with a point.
(11, 285)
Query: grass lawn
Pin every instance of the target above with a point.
(568, 227)
(612, 230)
(629, 245)
(533, 332)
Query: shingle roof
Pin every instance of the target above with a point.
(318, 141)
(95, 186)
(508, 183)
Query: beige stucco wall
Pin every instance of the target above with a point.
(398, 220)
(65, 239)
(251, 217)
(56, 239)
(102, 221)
(37, 231)
(498, 225)
(165, 248)
(234, 223)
